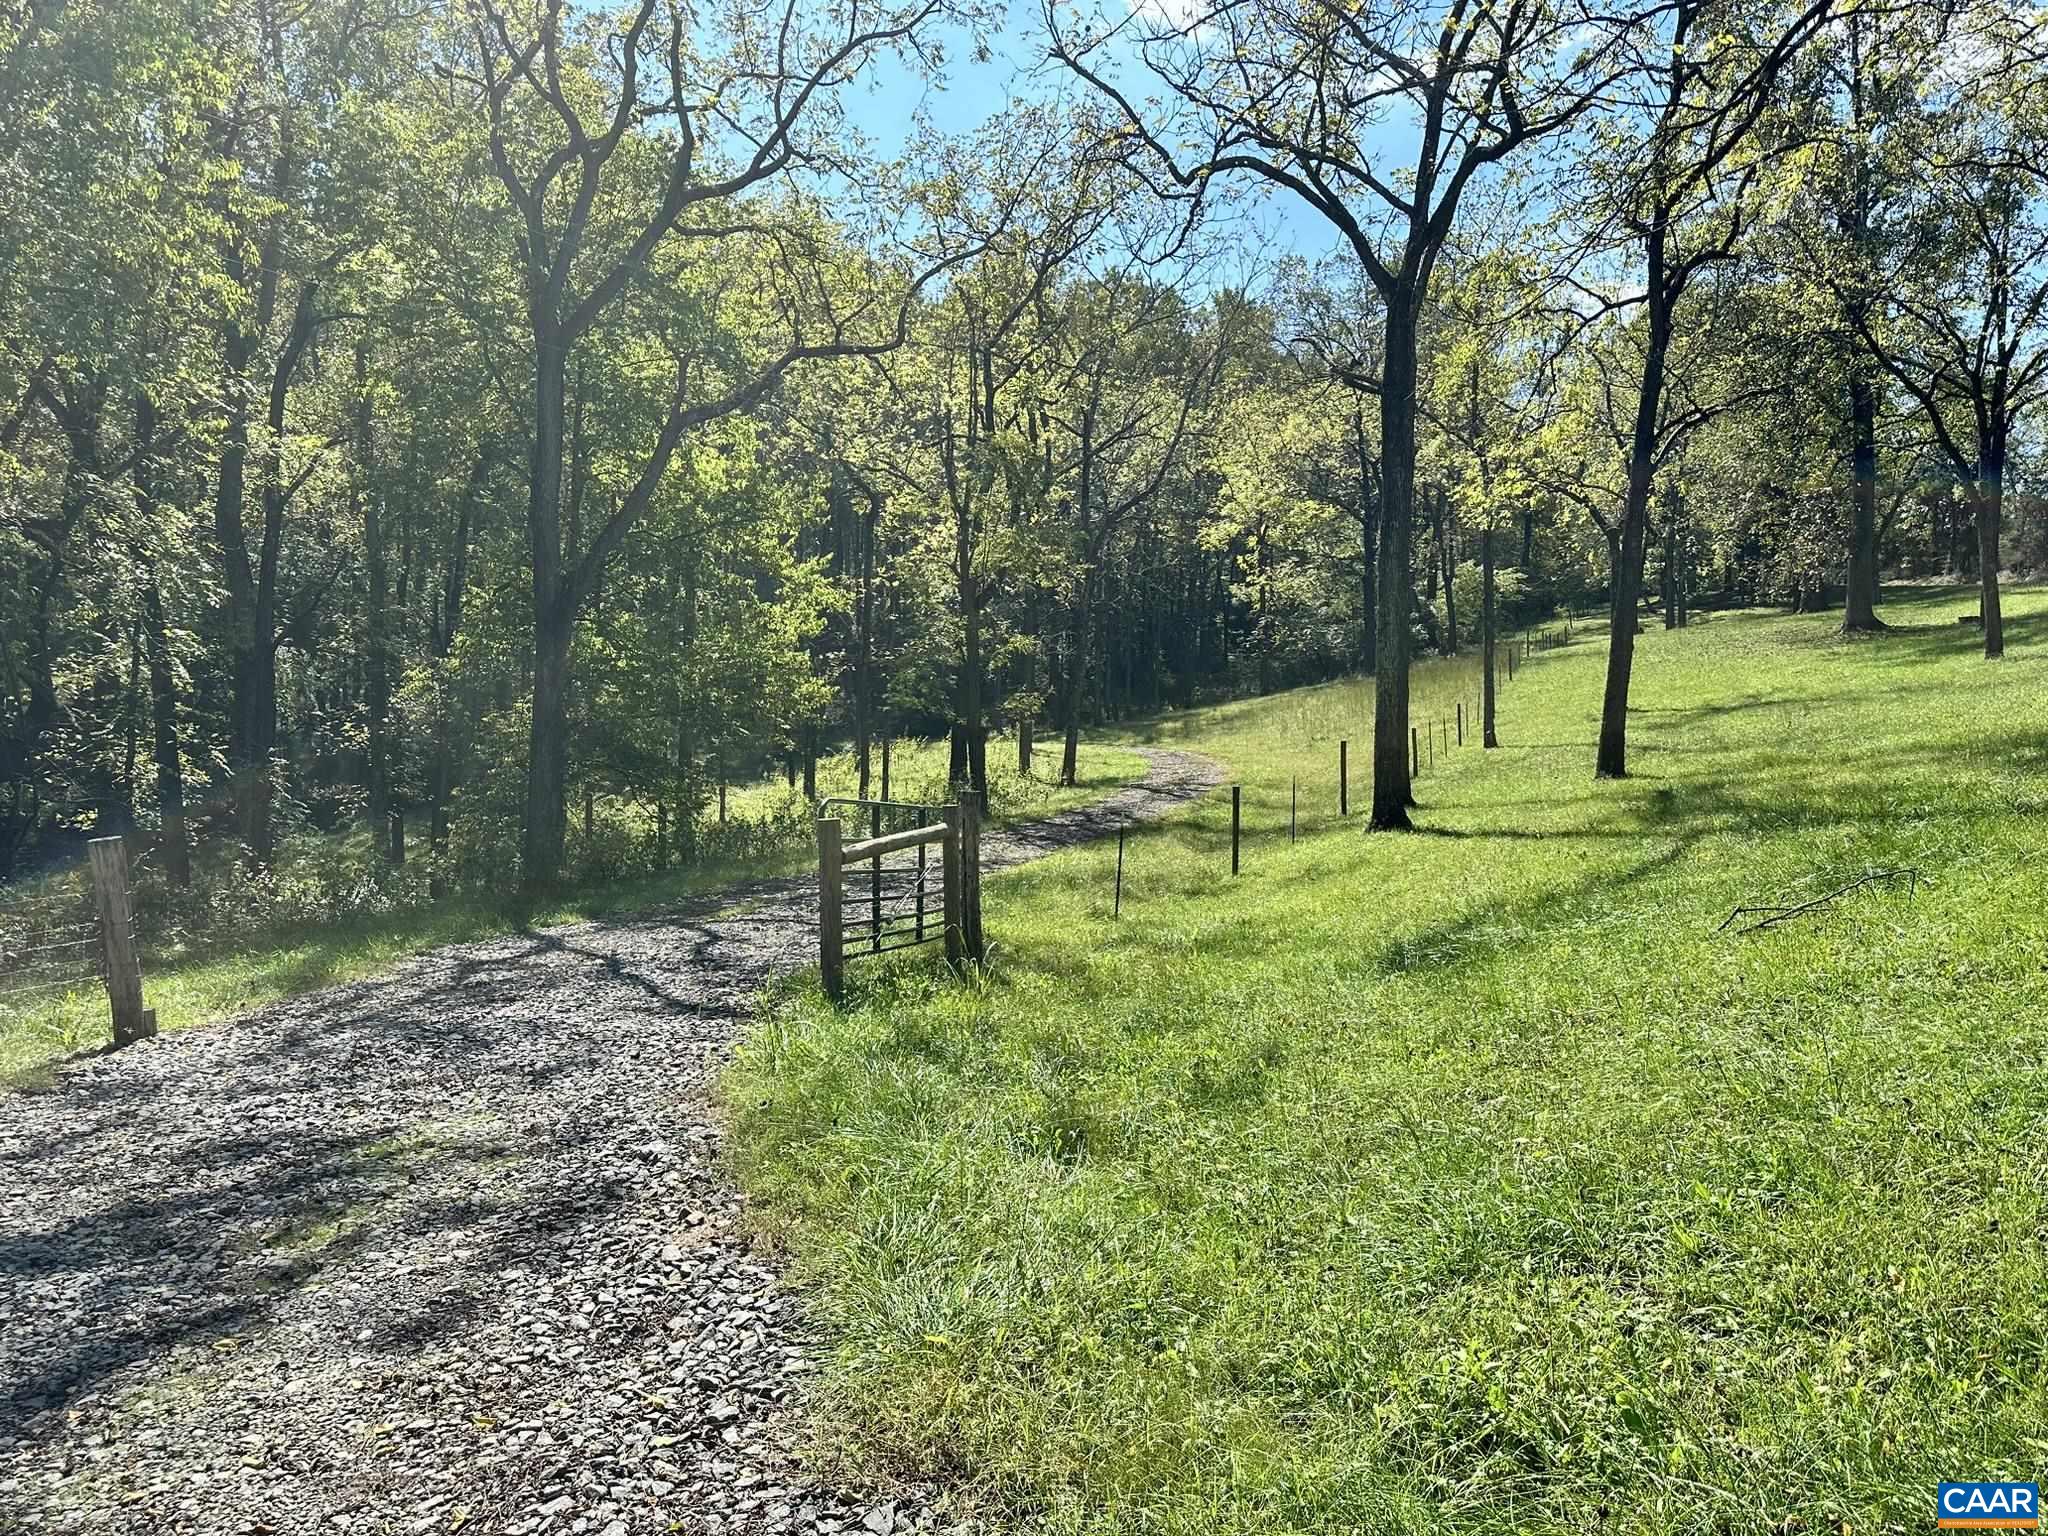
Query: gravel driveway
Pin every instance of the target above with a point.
(449, 1250)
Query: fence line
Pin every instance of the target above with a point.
(1449, 726)
(48, 948)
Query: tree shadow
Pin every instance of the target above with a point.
(200, 1192)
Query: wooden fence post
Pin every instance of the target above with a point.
(1461, 722)
(132, 1021)
(885, 765)
(924, 816)
(1414, 753)
(970, 876)
(1343, 778)
(1236, 810)
(950, 863)
(1293, 803)
(831, 938)
(1024, 747)
(875, 885)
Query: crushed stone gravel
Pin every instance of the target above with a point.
(450, 1250)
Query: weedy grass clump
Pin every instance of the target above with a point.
(1471, 1180)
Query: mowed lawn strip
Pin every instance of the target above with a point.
(1471, 1180)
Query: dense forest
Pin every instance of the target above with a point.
(498, 424)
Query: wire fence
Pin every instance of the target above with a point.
(1432, 741)
(68, 970)
(53, 963)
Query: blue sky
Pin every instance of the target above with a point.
(974, 91)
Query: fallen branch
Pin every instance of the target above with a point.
(1785, 912)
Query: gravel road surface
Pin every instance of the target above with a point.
(451, 1250)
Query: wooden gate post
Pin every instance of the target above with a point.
(875, 885)
(831, 938)
(970, 876)
(132, 1021)
(950, 860)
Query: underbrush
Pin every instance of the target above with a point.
(331, 907)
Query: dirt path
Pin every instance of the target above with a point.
(450, 1250)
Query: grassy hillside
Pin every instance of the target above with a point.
(1474, 1180)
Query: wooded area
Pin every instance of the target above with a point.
(500, 424)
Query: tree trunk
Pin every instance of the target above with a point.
(377, 651)
(449, 620)
(1446, 539)
(547, 768)
(1391, 792)
(1612, 762)
(1081, 619)
(1486, 624)
(1668, 576)
(971, 752)
(1077, 671)
(864, 675)
(1859, 612)
(1990, 519)
(156, 645)
(546, 819)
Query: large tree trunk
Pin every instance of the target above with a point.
(1612, 762)
(547, 771)
(1391, 790)
(1990, 520)
(252, 588)
(1859, 610)
(1859, 613)
(546, 820)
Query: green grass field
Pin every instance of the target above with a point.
(1473, 1180)
(239, 970)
